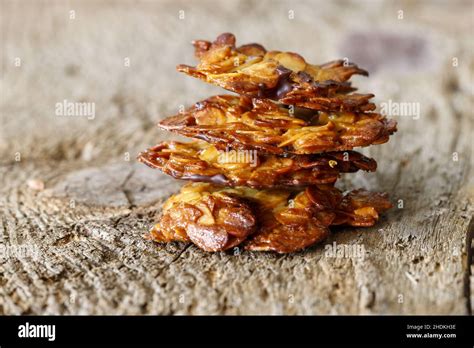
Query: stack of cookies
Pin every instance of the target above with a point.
(263, 163)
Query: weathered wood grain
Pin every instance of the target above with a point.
(76, 246)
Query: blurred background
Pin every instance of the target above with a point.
(121, 55)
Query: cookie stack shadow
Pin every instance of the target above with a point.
(263, 163)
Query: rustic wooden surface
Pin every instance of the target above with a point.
(75, 245)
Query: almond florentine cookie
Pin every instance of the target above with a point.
(218, 218)
(245, 123)
(282, 76)
(200, 161)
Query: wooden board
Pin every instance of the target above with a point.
(74, 204)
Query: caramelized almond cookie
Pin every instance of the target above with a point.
(243, 123)
(211, 220)
(361, 208)
(304, 220)
(200, 161)
(283, 76)
(281, 220)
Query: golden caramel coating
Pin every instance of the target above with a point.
(245, 123)
(283, 76)
(200, 161)
(211, 221)
(283, 220)
(361, 208)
